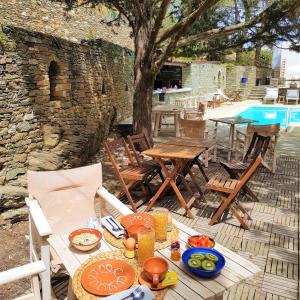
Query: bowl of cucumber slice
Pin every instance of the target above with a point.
(203, 262)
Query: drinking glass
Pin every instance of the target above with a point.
(146, 240)
(160, 224)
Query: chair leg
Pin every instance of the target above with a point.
(215, 153)
(126, 189)
(45, 276)
(201, 170)
(206, 158)
(240, 219)
(218, 213)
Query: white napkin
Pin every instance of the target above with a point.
(148, 295)
(108, 224)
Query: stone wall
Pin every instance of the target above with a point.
(234, 76)
(53, 18)
(57, 102)
(204, 78)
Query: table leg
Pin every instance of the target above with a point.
(156, 123)
(216, 129)
(231, 141)
(168, 178)
(176, 117)
(181, 199)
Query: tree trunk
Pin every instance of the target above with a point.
(142, 104)
(143, 84)
(257, 56)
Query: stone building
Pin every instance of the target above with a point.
(65, 77)
(199, 79)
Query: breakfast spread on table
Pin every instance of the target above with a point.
(140, 232)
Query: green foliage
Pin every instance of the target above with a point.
(265, 58)
(229, 66)
(247, 58)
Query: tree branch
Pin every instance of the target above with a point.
(122, 10)
(213, 33)
(157, 24)
(182, 25)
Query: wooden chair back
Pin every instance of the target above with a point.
(192, 114)
(138, 143)
(264, 130)
(248, 173)
(117, 146)
(259, 145)
(66, 196)
(193, 128)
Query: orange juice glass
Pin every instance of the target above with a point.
(161, 224)
(146, 240)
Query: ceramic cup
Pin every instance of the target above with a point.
(133, 230)
(155, 269)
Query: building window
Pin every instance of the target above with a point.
(54, 71)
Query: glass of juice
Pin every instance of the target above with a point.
(146, 240)
(160, 224)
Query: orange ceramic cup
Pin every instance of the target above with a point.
(133, 230)
(155, 269)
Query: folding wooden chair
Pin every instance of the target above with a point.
(133, 174)
(229, 189)
(259, 145)
(198, 129)
(139, 143)
(272, 130)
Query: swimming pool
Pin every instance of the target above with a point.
(271, 115)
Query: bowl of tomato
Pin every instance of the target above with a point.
(201, 241)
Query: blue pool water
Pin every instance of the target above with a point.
(271, 115)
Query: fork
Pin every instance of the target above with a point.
(112, 225)
(113, 221)
(136, 294)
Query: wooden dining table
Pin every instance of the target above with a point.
(180, 156)
(232, 121)
(192, 142)
(237, 269)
